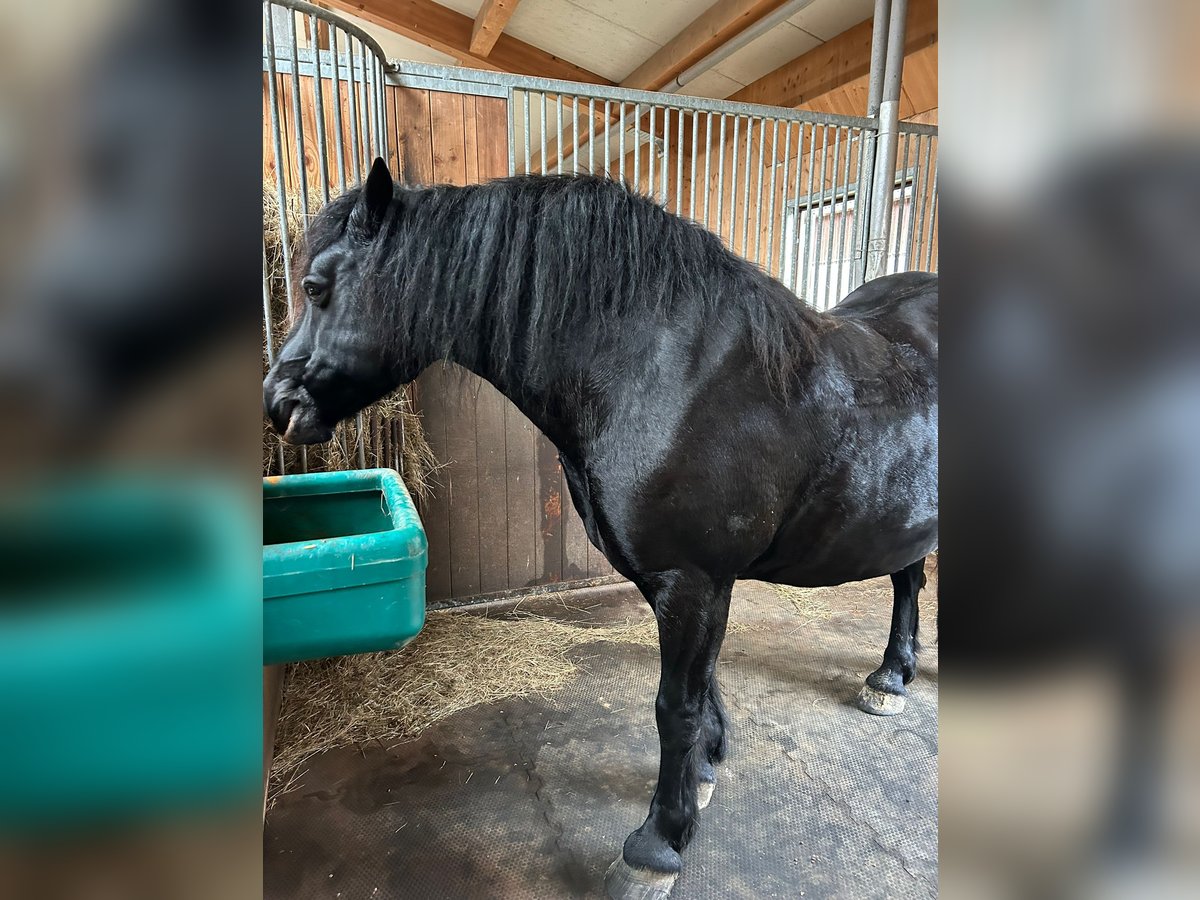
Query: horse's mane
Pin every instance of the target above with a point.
(539, 268)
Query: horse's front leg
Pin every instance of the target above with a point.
(884, 693)
(691, 610)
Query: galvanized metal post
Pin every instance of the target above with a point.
(884, 174)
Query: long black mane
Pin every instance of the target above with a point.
(523, 274)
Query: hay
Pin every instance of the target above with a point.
(391, 435)
(809, 603)
(456, 662)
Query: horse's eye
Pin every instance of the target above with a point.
(315, 290)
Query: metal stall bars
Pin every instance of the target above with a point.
(324, 82)
(781, 187)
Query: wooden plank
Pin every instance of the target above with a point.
(414, 136)
(550, 513)
(449, 32)
(520, 469)
(837, 62)
(470, 139)
(493, 15)
(717, 25)
(463, 475)
(449, 152)
(430, 392)
(491, 122)
(490, 457)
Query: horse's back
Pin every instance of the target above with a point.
(890, 294)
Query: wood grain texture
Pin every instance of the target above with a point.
(493, 15)
(449, 32)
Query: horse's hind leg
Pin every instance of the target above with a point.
(884, 693)
(714, 740)
(692, 611)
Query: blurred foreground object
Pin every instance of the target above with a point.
(1070, 733)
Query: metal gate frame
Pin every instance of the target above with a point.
(622, 112)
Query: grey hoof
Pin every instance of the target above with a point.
(704, 793)
(623, 882)
(880, 703)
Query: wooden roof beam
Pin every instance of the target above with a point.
(837, 62)
(717, 25)
(489, 24)
(449, 32)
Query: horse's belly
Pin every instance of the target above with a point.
(873, 511)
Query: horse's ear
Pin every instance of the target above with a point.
(372, 203)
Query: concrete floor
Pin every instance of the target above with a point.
(532, 798)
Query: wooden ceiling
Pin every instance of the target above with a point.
(829, 75)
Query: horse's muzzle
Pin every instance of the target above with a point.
(293, 412)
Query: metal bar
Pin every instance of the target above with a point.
(721, 180)
(525, 96)
(490, 80)
(337, 112)
(837, 149)
(363, 113)
(511, 121)
(787, 160)
(269, 340)
(885, 161)
(762, 149)
(819, 217)
(666, 155)
(859, 228)
(796, 209)
(558, 133)
(301, 167)
(637, 147)
(929, 263)
(692, 174)
(841, 291)
(679, 167)
(542, 160)
(925, 173)
(912, 206)
(746, 191)
(351, 92)
(574, 136)
(621, 148)
(277, 146)
(771, 202)
(733, 182)
(319, 108)
(607, 151)
(349, 28)
(808, 215)
(879, 34)
(707, 164)
(592, 137)
(902, 179)
(650, 167)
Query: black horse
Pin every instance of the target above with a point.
(710, 425)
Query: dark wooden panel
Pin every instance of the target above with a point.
(550, 509)
(491, 457)
(435, 511)
(414, 135)
(520, 450)
(462, 478)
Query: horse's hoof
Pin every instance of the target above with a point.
(623, 882)
(880, 703)
(704, 792)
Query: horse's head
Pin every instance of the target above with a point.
(336, 361)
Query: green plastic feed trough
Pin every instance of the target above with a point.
(344, 559)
